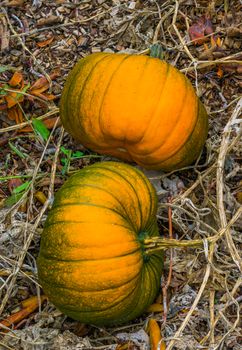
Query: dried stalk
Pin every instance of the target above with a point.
(168, 282)
(45, 206)
(220, 184)
(29, 122)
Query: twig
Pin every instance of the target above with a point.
(204, 64)
(211, 311)
(168, 282)
(25, 94)
(220, 184)
(178, 33)
(203, 175)
(194, 305)
(35, 31)
(195, 218)
(227, 304)
(226, 107)
(194, 185)
(45, 206)
(29, 122)
(162, 19)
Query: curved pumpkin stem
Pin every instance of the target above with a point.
(157, 51)
(158, 243)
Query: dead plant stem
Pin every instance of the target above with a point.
(29, 237)
(168, 282)
(220, 184)
(29, 122)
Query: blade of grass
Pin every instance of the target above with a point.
(17, 151)
(41, 129)
(21, 188)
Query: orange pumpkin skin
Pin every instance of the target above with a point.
(92, 264)
(136, 108)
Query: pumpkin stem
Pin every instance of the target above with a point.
(157, 51)
(158, 243)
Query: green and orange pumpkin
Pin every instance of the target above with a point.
(92, 263)
(137, 108)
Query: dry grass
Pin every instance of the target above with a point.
(203, 295)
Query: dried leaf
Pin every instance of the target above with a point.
(48, 20)
(12, 113)
(208, 27)
(48, 97)
(45, 96)
(220, 72)
(196, 33)
(12, 98)
(232, 68)
(42, 83)
(213, 42)
(218, 42)
(28, 306)
(200, 29)
(38, 92)
(155, 335)
(16, 79)
(15, 113)
(45, 42)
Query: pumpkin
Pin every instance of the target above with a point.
(136, 108)
(92, 263)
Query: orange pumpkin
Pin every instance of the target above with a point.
(136, 108)
(92, 263)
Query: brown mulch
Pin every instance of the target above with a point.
(40, 41)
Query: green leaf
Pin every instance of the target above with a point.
(63, 161)
(17, 194)
(25, 88)
(41, 129)
(13, 199)
(77, 154)
(66, 162)
(22, 187)
(3, 89)
(17, 151)
(69, 156)
(3, 69)
(65, 150)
